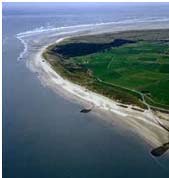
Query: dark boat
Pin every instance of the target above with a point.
(85, 110)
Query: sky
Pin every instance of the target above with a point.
(27, 8)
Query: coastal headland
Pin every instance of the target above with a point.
(123, 72)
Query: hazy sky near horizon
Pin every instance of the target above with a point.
(27, 8)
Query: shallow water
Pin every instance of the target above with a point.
(45, 135)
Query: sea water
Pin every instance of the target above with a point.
(44, 134)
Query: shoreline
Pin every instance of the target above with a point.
(142, 123)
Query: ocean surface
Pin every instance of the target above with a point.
(44, 134)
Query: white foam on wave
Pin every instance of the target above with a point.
(21, 55)
(50, 28)
(40, 30)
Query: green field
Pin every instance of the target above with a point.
(119, 68)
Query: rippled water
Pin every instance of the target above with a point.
(44, 134)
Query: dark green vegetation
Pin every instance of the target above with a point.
(125, 66)
(70, 49)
